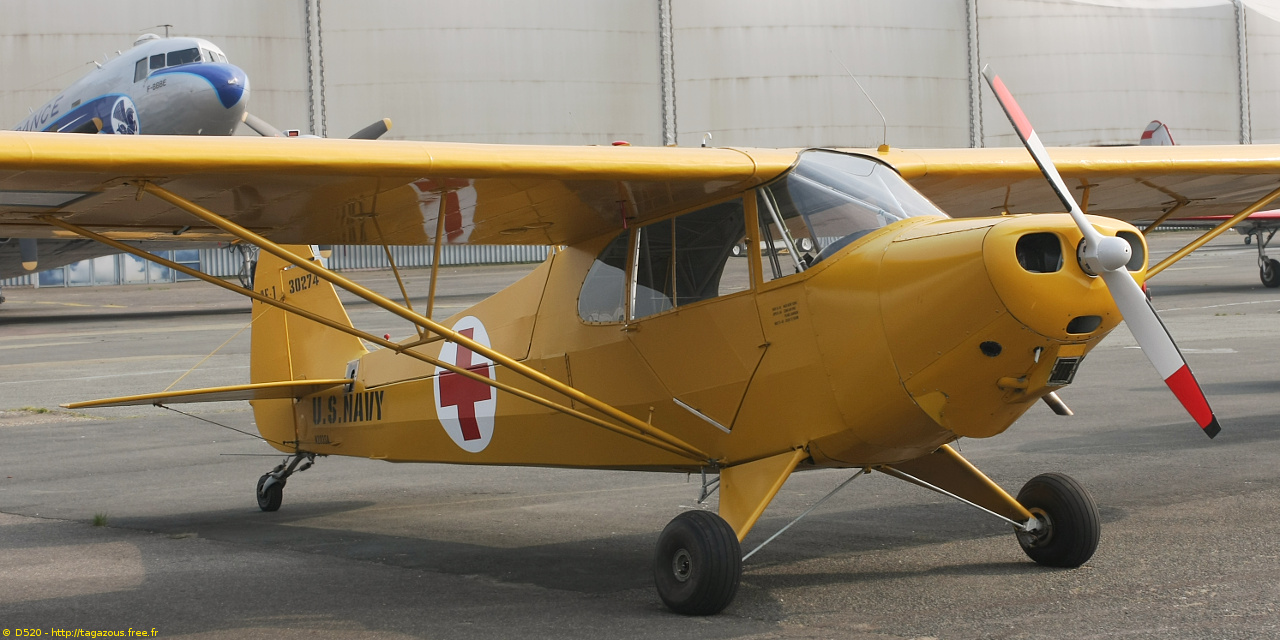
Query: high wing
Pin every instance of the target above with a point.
(1129, 183)
(325, 191)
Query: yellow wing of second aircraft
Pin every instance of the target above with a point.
(323, 191)
(1129, 183)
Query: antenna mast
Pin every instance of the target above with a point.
(884, 131)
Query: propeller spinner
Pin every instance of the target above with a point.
(1106, 256)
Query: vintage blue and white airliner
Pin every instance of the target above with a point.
(165, 86)
(161, 86)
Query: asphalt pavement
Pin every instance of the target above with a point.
(143, 518)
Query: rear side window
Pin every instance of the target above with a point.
(603, 291)
(140, 70)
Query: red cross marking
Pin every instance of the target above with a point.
(457, 390)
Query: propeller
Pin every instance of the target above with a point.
(30, 253)
(373, 131)
(1106, 256)
(263, 127)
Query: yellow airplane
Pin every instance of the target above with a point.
(862, 329)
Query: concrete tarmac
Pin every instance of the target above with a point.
(1190, 542)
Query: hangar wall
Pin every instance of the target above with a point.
(750, 72)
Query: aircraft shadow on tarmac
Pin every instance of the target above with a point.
(605, 564)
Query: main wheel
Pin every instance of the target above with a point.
(1069, 521)
(269, 499)
(1270, 273)
(698, 564)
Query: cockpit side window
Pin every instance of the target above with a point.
(689, 259)
(140, 70)
(185, 56)
(157, 61)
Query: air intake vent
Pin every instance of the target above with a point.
(1064, 371)
(1040, 252)
(1084, 324)
(1139, 253)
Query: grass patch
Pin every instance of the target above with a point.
(99, 519)
(35, 410)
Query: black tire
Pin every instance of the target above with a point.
(1270, 274)
(1069, 518)
(270, 499)
(698, 564)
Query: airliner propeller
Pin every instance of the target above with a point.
(266, 129)
(1106, 256)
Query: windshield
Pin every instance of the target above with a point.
(184, 56)
(831, 199)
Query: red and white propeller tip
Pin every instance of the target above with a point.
(1104, 256)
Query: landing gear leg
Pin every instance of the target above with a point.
(271, 484)
(1268, 268)
(698, 564)
(1067, 518)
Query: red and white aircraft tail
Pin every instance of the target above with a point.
(1156, 135)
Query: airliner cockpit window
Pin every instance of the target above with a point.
(830, 200)
(140, 70)
(184, 56)
(157, 61)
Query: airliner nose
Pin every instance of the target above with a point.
(231, 83)
(228, 81)
(206, 98)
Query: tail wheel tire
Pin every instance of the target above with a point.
(1069, 521)
(269, 499)
(698, 564)
(1270, 273)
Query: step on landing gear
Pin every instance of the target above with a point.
(271, 484)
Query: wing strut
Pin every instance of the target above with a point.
(646, 433)
(436, 250)
(1213, 233)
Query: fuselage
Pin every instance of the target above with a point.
(901, 330)
(163, 86)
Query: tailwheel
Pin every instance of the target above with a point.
(1270, 273)
(271, 485)
(698, 564)
(1068, 522)
(270, 495)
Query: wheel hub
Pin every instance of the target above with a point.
(682, 565)
(1041, 535)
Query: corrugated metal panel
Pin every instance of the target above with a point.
(373, 257)
(227, 262)
(1088, 74)
(560, 72)
(766, 73)
(20, 281)
(222, 262)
